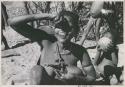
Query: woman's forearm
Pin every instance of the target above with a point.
(90, 75)
(28, 18)
(85, 79)
(20, 19)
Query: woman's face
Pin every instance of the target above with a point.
(64, 27)
(61, 35)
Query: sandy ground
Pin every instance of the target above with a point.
(17, 62)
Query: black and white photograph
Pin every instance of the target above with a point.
(62, 42)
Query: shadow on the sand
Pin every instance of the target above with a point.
(21, 44)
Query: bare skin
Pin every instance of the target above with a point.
(70, 52)
(109, 57)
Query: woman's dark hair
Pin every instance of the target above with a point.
(68, 22)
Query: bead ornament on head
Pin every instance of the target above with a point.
(105, 44)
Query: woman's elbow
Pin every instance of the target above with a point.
(12, 22)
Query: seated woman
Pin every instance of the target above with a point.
(59, 62)
(106, 59)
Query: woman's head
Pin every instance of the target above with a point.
(105, 44)
(66, 25)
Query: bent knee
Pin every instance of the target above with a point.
(37, 68)
(37, 71)
(36, 74)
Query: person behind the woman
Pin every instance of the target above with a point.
(106, 58)
(107, 51)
